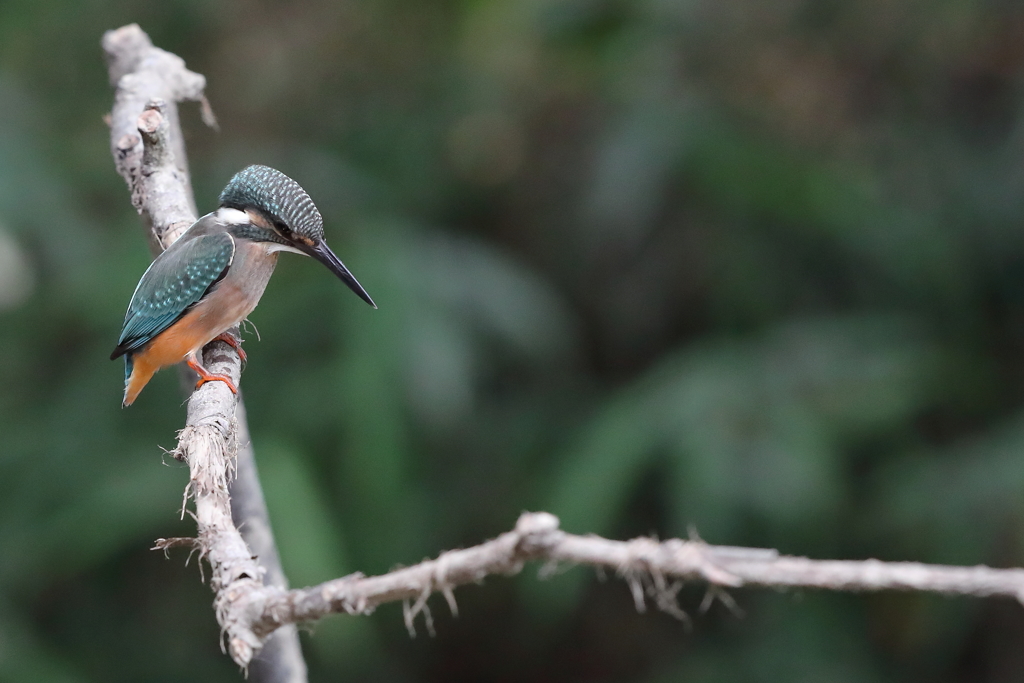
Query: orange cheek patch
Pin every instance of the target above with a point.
(258, 220)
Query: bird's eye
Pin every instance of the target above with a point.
(283, 229)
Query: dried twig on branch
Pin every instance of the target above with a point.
(147, 148)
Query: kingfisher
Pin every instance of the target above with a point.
(212, 277)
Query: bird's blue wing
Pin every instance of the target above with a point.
(174, 282)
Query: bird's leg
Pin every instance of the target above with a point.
(231, 341)
(207, 376)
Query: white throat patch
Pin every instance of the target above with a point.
(274, 246)
(232, 216)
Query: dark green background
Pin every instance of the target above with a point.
(754, 267)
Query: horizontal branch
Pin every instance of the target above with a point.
(653, 569)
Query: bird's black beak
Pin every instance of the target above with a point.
(322, 253)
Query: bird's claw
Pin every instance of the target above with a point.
(207, 376)
(234, 343)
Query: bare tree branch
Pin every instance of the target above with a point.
(146, 143)
(149, 152)
(652, 569)
(280, 660)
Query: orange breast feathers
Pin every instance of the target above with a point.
(224, 308)
(170, 346)
(227, 304)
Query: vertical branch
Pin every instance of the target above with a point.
(149, 153)
(281, 654)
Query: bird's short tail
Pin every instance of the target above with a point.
(137, 373)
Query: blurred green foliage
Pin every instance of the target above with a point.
(751, 268)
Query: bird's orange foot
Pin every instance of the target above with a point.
(207, 376)
(230, 340)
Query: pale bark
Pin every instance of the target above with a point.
(654, 570)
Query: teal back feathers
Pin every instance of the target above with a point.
(174, 282)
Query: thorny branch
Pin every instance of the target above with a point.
(152, 161)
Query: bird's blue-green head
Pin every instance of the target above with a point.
(276, 196)
(289, 213)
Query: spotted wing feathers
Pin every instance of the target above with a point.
(173, 284)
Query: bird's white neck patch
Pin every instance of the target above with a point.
(232, 216)
(274, 246)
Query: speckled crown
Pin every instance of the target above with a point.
(277, 195)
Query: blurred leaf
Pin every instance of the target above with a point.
(755, 428)
(23, 658)
(311, 546)
(958, 504)
(757, 422)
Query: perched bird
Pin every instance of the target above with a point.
(213, 276)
